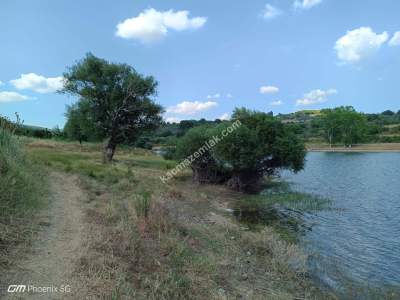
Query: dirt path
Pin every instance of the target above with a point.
(53, 257)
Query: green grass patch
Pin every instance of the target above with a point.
(279, 193)
(279, 207)
(151, 163)
(23, 192)
(142, 203)
(88, 164)
(49, 156)
(22, 184)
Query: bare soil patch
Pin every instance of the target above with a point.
(51, 260)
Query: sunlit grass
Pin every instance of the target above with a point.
(279, 193)
(279, 207)
(23, 192)
(22, 186)
(151, 163)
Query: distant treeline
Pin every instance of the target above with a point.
(309, 124)
(32, 131)
(326, 124)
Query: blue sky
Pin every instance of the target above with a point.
(208, 56)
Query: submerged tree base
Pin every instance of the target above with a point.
(246, 182)
(205, 174)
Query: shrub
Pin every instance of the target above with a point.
(260, 146)
(169, 153)
(206, 168)
(389, 139)
(142, 203)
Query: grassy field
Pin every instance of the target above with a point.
(149, 240)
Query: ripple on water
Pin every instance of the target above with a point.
(360, 239)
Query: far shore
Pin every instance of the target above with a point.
(380, 147)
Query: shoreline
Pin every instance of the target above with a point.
(362, 148)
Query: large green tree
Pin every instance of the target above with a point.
(257, 145)
(344, 124)
(261, 146)
(331, 126)
(118, 100)
(354, 126)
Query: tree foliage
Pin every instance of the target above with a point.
(80, 124)
(206, 168)
(344, 125)
(115, 100)
(260, 146)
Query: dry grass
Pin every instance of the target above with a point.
(183, 247)
(184, 254)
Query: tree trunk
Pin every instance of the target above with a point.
(109, 151)
(209, 173)
(246, 182)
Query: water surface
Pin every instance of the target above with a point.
(360, 237)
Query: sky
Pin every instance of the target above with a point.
(208, 56)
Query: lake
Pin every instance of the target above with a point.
(359, 238)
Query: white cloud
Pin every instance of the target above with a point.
(1, 82)
(315, 97)
(38, 83)
(215, 96)
(180, 21)
(190, 108)
(229, 95)
(269, 89)
(359, 43)
(276, 103)
(172, 120)
(12, 97)
(271, 12)
(152, 25)
(305, 4)
(395, 40)
(224, 117)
